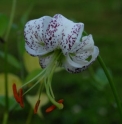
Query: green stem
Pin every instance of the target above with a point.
(5, 64)
(11, 20)
(5, 118)
(111, 82)
(29, 118)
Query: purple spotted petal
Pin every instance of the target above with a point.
(71, 36)
(81, 53)
(63, 33)
(82, 58)
(53, 34)
(72, 67)
(87, 44)
(44, 61)
(83, 50)
(34, 34)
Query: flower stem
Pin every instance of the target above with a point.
(5, 119)
(111, 82)
(29, 118)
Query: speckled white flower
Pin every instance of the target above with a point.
(48, 35)
(57, 41)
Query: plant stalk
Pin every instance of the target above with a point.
(5, 118)
(111, 82)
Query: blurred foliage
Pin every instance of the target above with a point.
(87, 96)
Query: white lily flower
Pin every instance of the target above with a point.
(47, 34)
(57, 41)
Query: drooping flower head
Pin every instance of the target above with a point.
(58, 41)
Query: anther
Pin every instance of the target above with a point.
(51, 108)
(16, 96)
(21, 98)
(36, 106)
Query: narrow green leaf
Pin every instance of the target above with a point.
(11, 60)
(21, 47)
(12, 103)
(3, 24)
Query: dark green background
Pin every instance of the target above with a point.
(102, 19)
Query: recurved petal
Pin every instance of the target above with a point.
(72, 63)
(45, 60)
(95, 53)
(73, 68)
(53, 33)
(77, 64)
(86, 51)
(64, 33)
(86, 58)
(34, 34)
(71, 36)
(87, 44)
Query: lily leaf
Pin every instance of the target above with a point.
(21, 46)
(11, 60)
(3, 24)
(12, 103)
(27, 13)
(100, 80)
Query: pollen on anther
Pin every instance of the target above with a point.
(21, 98)
(51, 108)
(16, 96)
(36, 106)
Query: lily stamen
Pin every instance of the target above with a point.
(36, 106)
(21, 97)
(16, 95)
(51, 108)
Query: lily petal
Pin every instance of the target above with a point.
(73, 63)
(87, 44)
(34, 34)
(85, 50)
(53, 33)
(45, 60)
(71, 36)
(64, 33)
(72, 66)
(95, 53)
